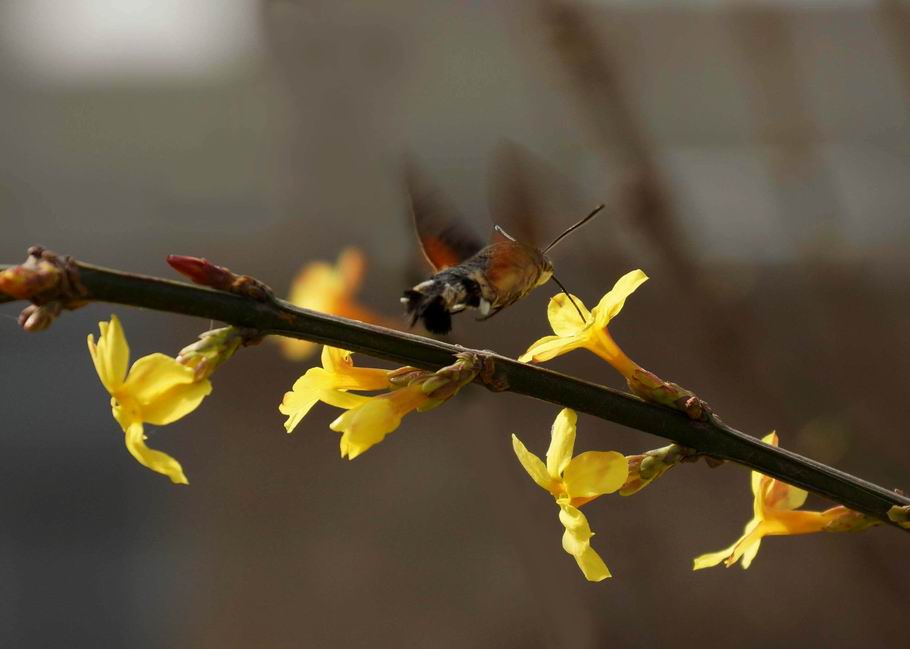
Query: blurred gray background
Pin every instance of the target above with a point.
(755, 158)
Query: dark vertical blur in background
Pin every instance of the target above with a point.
(755, 158)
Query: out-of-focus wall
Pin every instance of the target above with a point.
(754, 159)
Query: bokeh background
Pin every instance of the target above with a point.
(754, 157)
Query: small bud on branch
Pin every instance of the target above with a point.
(647, 467)
(50, 282)
(203, 272)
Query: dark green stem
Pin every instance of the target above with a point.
(712, 437)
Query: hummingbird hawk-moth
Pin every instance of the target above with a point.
(468, 273)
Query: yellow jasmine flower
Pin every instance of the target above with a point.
(330, 384)
(157, 390)
(775, 514)
(900, 514)
(325, 288)
(372, 418)
(369, 419)
(589, 330)
(574, 481)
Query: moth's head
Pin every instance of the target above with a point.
(546, 269)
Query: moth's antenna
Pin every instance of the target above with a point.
(503, 233)
(572, 229)
(569, 295)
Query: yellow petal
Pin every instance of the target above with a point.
(376, 417)
(336, 360)
(304, 394)
(315, 378)
(774, 493)
(711, 559)
(367, 379)
(562, 442)
(322, 287)
(365, 426)
(749, 550)
(111, 355)
(795, 522)
(783, 497)
(153, 375)
(296, 406)
(329, 289)
(578, 532)
(338, 364)
(795, 498)
(611, 304)
(350, 267)
(317, 287)
(550, 347)
(755, 483)
(770, 438)
(748, 544)
(592, 566)
(342, 399)
(154, 460)
(297, 350)
(563, 316)
(532, 464)
(595, 473)
(317, 385)
(576, 540)
(126, 414)
(176, 403)
(297, 403)
(730, 555)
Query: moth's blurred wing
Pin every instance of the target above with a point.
(513, 193)
(445, 238)
(530, 198)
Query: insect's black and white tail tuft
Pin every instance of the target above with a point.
(434, 301)
(431, 311)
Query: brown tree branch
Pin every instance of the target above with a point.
(276, 317)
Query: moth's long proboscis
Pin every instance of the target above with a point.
(572, 228)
